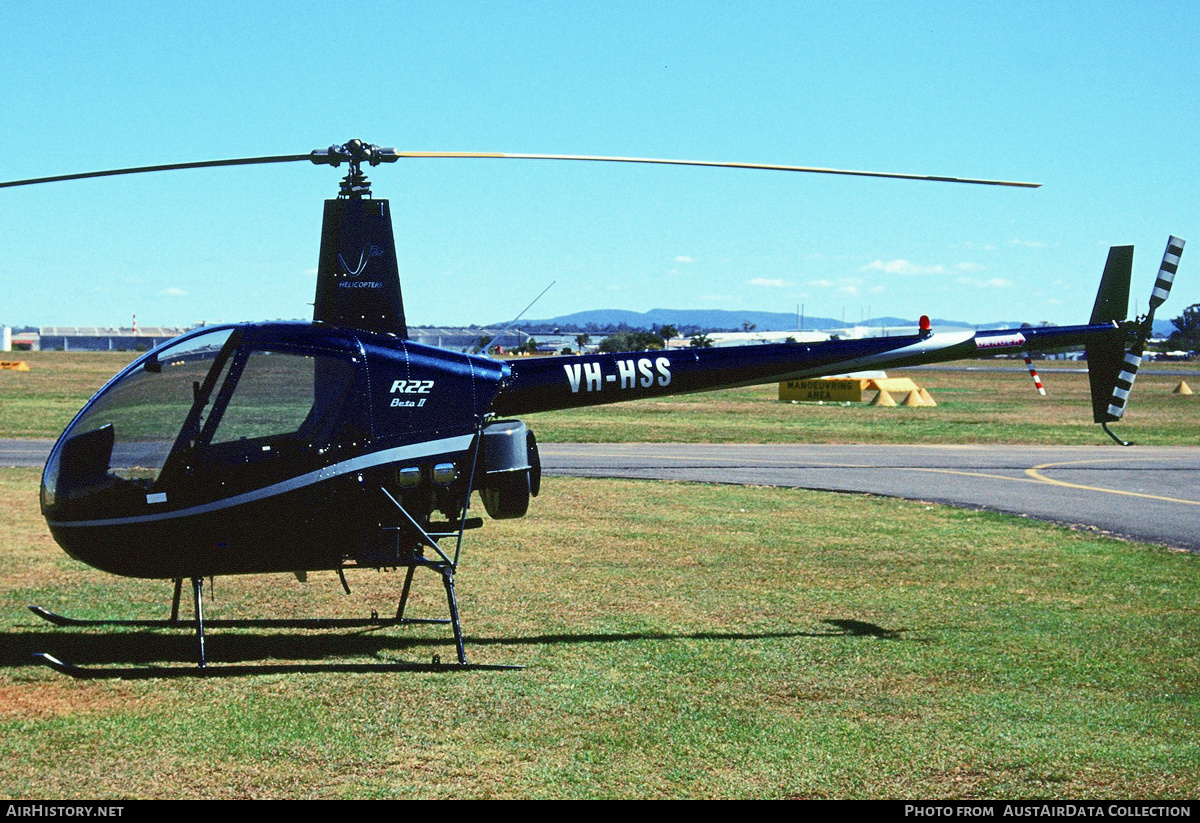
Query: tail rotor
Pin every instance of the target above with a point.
(1137, 333)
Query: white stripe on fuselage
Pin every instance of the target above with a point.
(366, 461)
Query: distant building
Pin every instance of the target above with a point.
(99, 338)
(25, 341)
(468, 339)
(721, 339)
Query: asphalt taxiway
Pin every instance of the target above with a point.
(1145, 493)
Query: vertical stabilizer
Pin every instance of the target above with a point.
(1112, 300)
(358, 279)
(1105, 357)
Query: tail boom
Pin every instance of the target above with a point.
(552, 383)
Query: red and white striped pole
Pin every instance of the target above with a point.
(1037, 381)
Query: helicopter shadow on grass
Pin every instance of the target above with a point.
(245, 653)
(840, 628)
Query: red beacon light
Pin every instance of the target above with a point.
(926, 329)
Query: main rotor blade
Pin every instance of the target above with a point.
(390, 155)
(764, 166)
(239, 161)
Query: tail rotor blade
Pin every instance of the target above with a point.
(1124, 384)
(1166, 272)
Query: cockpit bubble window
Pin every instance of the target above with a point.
(127, 431)
(206, 414)
(281, 393)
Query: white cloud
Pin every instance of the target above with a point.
(851, 286)
(902, 267)
(683, 258)
(173, 292)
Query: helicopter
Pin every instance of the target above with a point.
(292, 447)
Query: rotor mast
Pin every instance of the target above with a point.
(358, 277)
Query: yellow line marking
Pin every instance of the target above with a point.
(974, 474)
(1035, 473)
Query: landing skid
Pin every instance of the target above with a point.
(198, 623)
(155, 672)
(176, 623)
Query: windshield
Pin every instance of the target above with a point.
(140, 414)
(202, 417)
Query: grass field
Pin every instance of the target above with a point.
(681, 640)
(977, 407)
(973, 407)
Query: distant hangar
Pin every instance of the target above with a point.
(95, 338)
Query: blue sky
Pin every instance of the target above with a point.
(1096, 101)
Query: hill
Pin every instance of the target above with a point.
(709, 320)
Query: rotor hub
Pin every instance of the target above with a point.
(355, 184)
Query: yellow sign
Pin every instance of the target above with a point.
(14, 365)
(829, 390)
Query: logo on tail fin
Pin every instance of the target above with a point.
(368, 251)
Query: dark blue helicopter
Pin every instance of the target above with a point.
(295, 447)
